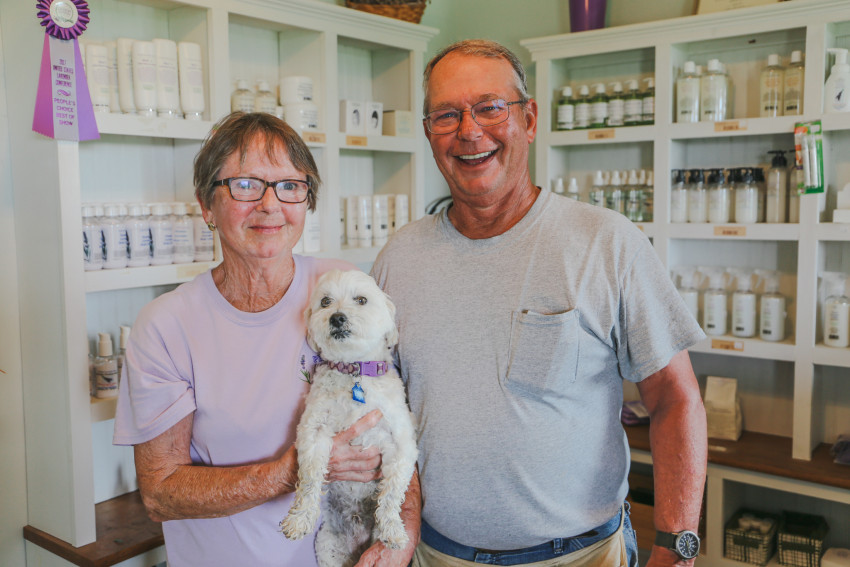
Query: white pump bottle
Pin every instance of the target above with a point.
(743, 304)
(772, 313)
(836, 91)
(836, 310)
(714, 301)
(687, 288)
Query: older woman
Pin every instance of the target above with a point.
(216, 369)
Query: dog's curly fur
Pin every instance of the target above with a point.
(350, 319)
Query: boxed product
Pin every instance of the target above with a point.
(374, 118)
(352, 117)
(750, 536)
(398, 123)
(800, 539)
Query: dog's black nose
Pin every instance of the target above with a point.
(338, 319)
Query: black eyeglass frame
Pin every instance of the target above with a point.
(266, 184)
(508, 104)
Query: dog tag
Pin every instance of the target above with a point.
(357, 393)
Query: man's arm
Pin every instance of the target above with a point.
(679, 443)
(174, 488)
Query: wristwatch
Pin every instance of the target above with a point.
(685, 544)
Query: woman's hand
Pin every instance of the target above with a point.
(354, 462)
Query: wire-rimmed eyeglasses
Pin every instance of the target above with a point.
(485, 113)
(254, 189)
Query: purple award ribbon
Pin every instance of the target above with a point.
(63, 108)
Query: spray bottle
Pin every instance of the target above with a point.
(836, 310)
(597, 192)
(687, 287)
(714, 301)
(678, 197)
(772, 315)
(743, 304)
(836, 91)
(614, 194)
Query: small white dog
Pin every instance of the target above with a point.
(351, 324)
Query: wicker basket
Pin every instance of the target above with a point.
(747, 545)
(407, 10)
(801, 539)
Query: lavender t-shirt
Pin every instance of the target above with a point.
(241, 374)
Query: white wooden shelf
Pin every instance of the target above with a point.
(839, 232)
(729, 345)
(134, 125)
(618, 135)
(732, 231)
(128, 278)
(836, 122)
(379, 143)
(735, 127)
(103, 409)
(830, 356)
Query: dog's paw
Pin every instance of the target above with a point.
(393, 535)
(296, 526)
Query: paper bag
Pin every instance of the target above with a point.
(723, 408)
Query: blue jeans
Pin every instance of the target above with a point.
(545, 551)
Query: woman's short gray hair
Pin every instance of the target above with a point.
(479, 48)
(235, 133)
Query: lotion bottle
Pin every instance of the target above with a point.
(714, 302)
(719, 197)
(162, 235)
(122, 349)
(777, 188)
(144, 77)
(124, 53)
(204, 237)
(583, 108)
(183, 234)
(688, 289)
(114, 229)
(97, 76)
(792, 91)
(597, 191)
(633, 105)
(836, 311)
(772, 313)
(713, 93)
(191, 76)
(242, 98)
(771, 87)
(687, 94)
(566, 110)
(167, 87)
(678, 197)
(112, 63)
(265, 101)
(599, 107)
(837, 88)
(138, 236)
(743, 304)
(697, 197)
(616, 105)
(746, 199)
(648, 201)
(92, 240)
(648, 102)
(105, 368)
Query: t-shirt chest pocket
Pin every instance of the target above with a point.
(544, 352)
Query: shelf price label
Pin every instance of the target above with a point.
(362, 141)
(723, 344)
(314, 137)
(189, 271)
(604, 134)
(730, 231)
(730, 126)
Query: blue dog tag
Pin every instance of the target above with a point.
(357, 393)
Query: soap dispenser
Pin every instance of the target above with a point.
(837, 88)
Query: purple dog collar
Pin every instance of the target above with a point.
(373, 368)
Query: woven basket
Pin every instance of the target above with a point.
(406, 10)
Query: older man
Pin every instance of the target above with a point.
(520, 315)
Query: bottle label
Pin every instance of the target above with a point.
(648, 109)
(582, 115)
(616, 112)
(598, 113)
(633, 109)
(566, 117)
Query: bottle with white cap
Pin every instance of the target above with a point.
(771, 88)
(114, 230)
(697, 197)
(792, 91)
(582, 112)
(242, 98)
(678, 197)
(714, 302)
(634, 198)
(743, 304)
(566, 110)
(713, 93)
(599, 107)
(92, 240)
(838, 84)
(836, 310)
(138, 236)
(687, 94)
(183, 234)
(648, 202)
(616, 105)
(572, 190)
(596, 196)
(122, 349)
(265, 101)
(162, 235)
(614, 194)
(402, 214)
(204, 237)
(772, 313)
(648, 102)
(105, 368)
(632, 104)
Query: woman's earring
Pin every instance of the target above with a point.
(211, 225)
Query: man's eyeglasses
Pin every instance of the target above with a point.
(485, 113)
(254, 189)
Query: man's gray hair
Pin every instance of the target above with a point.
(479, 48)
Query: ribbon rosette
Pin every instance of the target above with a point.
(63, 108)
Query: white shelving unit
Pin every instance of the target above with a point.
(797, 388)
(71, 464)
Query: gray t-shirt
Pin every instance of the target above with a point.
(514, 349)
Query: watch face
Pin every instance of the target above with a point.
(687, 545)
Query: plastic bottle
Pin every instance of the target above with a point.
(92, 240)
(743, 304)
(678, 197)
(596, 196)
(616, 105)
(633, 104)
(687, 94)
(566, 119)
(122, 349)
(97, 76)
(572, 190)
(124, 53)
(648, 102)
(265, 101)
(772, 313)
(792, 88)
(242, 98)
(191, 75)
(777, 188)
(714, 302)
(746, 199)
(112, 63)
(697, 197)
(105, 368)
(614, 194)
(558, 185)
(162, 235)
(719, 197)
(114, 237)
(771, 87)
(204, 237)
(634, 198)
(582, 116)
(713, 93)
(687, 288)
(836, 311)
(599, 107)
(836, 90)
(167, 86)
(648, 203)
(183, 234)
(144, 77)
(138, 236)
(795, 175)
